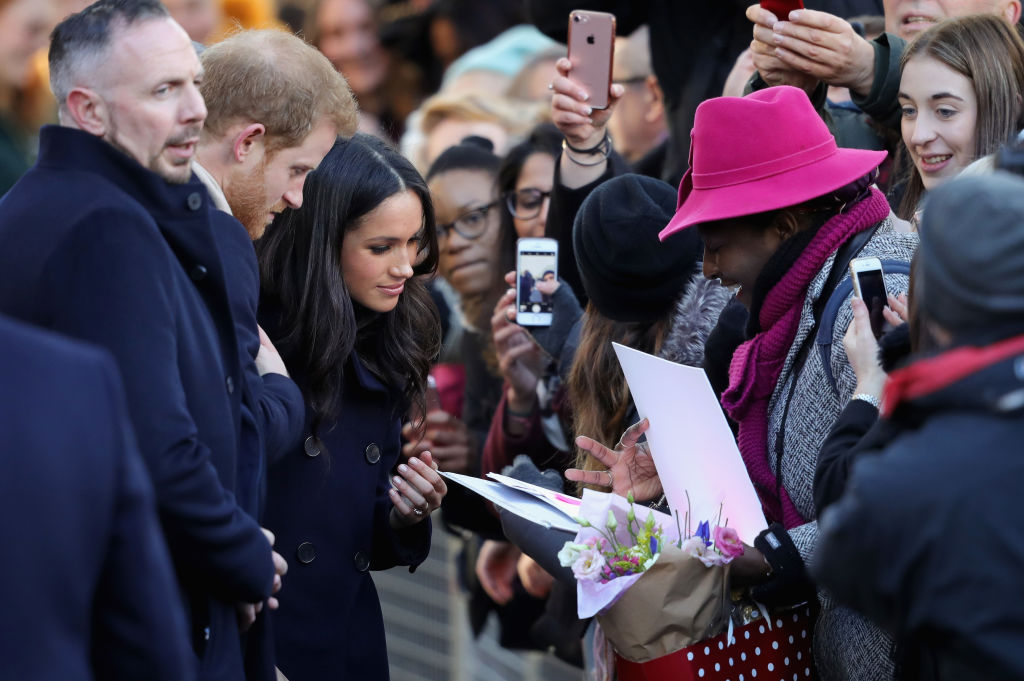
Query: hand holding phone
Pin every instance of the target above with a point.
(591, 49)
(869, 286)
(781, 8)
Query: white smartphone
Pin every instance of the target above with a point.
(536, 261)
(869, 286)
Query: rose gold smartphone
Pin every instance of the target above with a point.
(591, 48)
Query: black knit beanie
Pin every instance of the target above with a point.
(971, 266)
(629, 275)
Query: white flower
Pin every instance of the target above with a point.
(570, 552)
(695, 547)
(588, 565)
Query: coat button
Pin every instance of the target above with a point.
(306, 553)
(206, 633)
(362, 561)
(195, 201)
(313, 446)
(372, 453)
(230, 384)
(198, 273)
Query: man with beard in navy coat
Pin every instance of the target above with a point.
(90, 590)
(109, 239)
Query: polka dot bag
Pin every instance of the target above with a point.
(761, 651)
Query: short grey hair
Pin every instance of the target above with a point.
(79, 42)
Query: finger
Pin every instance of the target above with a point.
(441, 418)
(415, 448)
(816, 19)
(571, 124)
(633, 433)
(280, 564)
(428, 458)
(596, 478)
(448, 437)
(517, 352)
(562, 86)
(805, 64)
(510, 279)
(276, 586)
(760, 16)
(606, 456)
(416, 474)
(273, 603)
(764, 35)
(893, 317)
(402, 505)
(506, 333)
(563, 66)
(269, 535)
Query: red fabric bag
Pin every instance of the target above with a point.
(781, 653)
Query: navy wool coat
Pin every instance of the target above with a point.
(89, 588)
(327, 504)
(97, 247)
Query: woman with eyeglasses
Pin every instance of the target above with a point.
(468, 207)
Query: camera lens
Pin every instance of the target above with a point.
(576, 18)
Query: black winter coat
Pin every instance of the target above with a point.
(97, 247)
(927, 540)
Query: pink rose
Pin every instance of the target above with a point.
(727, 542)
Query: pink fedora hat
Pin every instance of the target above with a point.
(761, 152)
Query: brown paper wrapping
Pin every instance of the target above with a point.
(678, 602)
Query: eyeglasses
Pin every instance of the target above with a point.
(526, 203)
(470, 225)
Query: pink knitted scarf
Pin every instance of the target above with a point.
(757, 364)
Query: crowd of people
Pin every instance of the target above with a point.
(259, 292)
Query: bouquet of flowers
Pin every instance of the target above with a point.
(654, 585)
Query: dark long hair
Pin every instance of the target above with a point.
(544, 139)
(300, 269)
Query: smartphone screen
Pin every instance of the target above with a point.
(872, 292)
(534, 266)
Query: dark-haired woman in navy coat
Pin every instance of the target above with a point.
(358, 332)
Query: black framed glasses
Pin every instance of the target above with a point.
(470, 225)
(527, 202)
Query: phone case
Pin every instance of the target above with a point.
(781, 8)
(591, 49)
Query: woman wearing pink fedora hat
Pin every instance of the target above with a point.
(782, 210)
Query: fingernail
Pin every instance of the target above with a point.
(776, 38)
(589, 111)
(795, 15)
(776, 26)
(402, 468)
(584, 96)
(398, 480)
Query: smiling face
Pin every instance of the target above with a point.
(907, 18)
(939, 123)
(467, 264)
(735, 252)
(377, 256)
(153, 110)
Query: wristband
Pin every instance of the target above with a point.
(602, 146)
(869, 398)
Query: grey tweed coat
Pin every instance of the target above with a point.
(846, 646)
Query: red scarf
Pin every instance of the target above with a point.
(927, 376)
